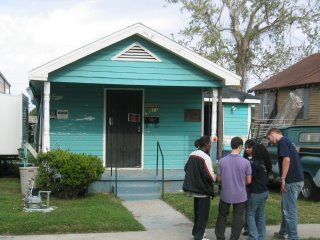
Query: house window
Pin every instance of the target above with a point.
(267, 104)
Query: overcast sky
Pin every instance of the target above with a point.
(33, 32)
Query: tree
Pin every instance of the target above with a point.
(252, 37)
(33, 112)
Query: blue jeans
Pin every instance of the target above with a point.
(289, 224)
(256, 217)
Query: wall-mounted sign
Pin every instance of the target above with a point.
(62, 114)
(152, 113)
(192, 115)
(134, 117)
(151, 109)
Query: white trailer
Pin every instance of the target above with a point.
(13, 124)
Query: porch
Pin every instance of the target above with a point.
(139, 184)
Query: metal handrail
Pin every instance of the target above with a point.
(116, 179)
(162, 180)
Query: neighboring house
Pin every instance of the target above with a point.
(4, 84)
(116, 97)
(237, 115)
(303, 79)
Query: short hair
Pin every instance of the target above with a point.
(250, 143)
(201, 142)
(236, 142)
(273, 130)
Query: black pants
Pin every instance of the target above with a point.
(201, 213)
(237, 220)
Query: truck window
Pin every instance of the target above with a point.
(309, 137)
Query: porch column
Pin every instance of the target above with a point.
(46, 118)
(214, 139)
(220, 124)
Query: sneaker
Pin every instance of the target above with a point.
(277, 235)
(245, 233)
(204, 237)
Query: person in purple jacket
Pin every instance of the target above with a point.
(234, 172)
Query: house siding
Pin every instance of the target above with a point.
(99, 68)
(235, 123)
(83, 131)
(313, 108)
(282, 98)
(175, 136)
(173, 83)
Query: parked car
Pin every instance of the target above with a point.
(307, 140)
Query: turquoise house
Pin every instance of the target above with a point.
(238, 108)
(121, 95)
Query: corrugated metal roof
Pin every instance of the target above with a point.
(307, 71)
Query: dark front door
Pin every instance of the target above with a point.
(124, 128)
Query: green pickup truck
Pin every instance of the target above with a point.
(307, 140)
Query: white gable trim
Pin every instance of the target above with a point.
(41, 73)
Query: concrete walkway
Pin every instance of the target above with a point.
(162, 222)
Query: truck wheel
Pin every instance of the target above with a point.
(309, 190)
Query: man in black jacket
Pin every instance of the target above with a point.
(198, 183)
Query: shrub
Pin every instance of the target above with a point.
(67, 174)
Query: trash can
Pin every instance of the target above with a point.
(25, 174)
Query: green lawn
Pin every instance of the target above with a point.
(307, 209)
(94, 213)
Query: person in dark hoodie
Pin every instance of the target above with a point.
(198, 183)
(258, 192)
(248, 154)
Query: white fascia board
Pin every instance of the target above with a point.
(229, 78)
(41, 73)
(235, 100)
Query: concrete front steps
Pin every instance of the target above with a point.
(137, 190)
(137, 184)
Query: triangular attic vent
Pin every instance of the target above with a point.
(136, 52)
